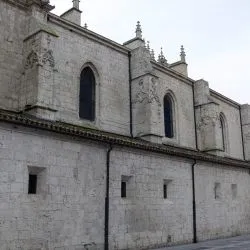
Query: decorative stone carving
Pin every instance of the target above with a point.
(208, 120)
(149, 95)
(40, 56)
(31, 60)
(34, 58)
(48, 57)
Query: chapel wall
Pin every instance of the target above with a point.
(231, 113)
(68, 209)
(144, 218)
(228, 214)
(184, 122)
(74, 51)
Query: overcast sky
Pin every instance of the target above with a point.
(215, 34)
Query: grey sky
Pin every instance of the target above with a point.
(215, 34)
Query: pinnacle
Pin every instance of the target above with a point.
(138, 30)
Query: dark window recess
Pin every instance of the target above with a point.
(87, 95)
(165, 196)
(32, 184)
(222, 124)
(123, 189)
(168, 117)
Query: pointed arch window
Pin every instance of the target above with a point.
(87, 95)
(223, 132)
(168, 116)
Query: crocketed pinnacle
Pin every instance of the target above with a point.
(138, 30)
(183, 54)
(161, 58)
(152, 55)
(148, 46)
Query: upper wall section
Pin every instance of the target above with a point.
(43, 58)
(218, 122)
(110, 67)
(12, 30)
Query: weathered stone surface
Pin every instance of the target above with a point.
(41, 59)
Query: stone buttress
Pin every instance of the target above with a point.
(39, 65)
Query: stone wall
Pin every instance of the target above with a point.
(12, 30)
(232, 115)
(111, 73)
(68, 210)
(228, 213)
(182, 95)
(144, 218)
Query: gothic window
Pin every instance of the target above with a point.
(223, 132)
(87, 95)
(168, 116)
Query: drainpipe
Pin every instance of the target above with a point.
(242, 140)
(106, 222)
(130, 94)
(194, 205)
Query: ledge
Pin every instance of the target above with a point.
(101, 136)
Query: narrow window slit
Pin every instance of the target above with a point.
(32, 184)
(165, 191)
(123, 189)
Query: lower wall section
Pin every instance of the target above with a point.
(144, 217)
(150, 195)
(67, 212)
(222, 201)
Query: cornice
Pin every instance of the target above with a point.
(125, 141)
(224, 98)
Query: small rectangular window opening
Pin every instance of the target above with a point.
(217, 190)
(165, 196)
(32, 184)
(123, 189)
(166, 184)
(234, 191)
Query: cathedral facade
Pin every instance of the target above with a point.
(103, 146)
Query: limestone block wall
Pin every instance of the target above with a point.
(231, 113)
(111, 72)
(222, 201)
(182, 95)
(144, 218)
(68, 210)
(245, 114)
(12, 30)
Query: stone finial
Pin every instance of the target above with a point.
(85, 25)
(145, 46)
(148, 46)
(152, 55)
(138, 30)
(76, 4)
(183, 54)
(161, 58)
